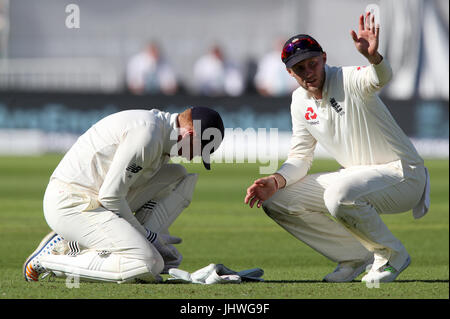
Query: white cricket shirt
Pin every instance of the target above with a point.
(119, 153)
(350, 122)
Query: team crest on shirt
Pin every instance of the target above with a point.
(311, 116)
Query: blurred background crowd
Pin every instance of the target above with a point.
(210, 47)
(213, 74)
(224, 54)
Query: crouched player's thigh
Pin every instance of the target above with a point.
(305, 195)
(385, 187)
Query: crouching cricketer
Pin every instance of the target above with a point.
(114, 195)
(337, 213)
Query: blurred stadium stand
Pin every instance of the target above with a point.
(46, 66)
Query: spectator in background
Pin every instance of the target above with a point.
(215, 76)
(271, 78)
(149, 72)
(250, 68)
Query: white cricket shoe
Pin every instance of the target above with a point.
(385, 273)
(348, 270)
(32, 267)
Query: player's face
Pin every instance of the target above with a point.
(310, 73)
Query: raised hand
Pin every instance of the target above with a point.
(367, 39)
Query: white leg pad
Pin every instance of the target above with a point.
(158, 216)
(90, 266)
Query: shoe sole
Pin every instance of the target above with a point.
(42, 244)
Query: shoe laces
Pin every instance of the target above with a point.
(387, 267)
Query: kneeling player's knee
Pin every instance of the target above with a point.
(147, 259)
(152, 259)
(146, 269)
(155, 264)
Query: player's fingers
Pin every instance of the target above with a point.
(247, 198)
(252, 188)
(361, 23)
(372, 24)
(354, 36)
(377, 31)
(367, 27)
(253, 201)
(251, 192)
(259, 203)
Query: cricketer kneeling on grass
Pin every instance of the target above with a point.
(117, 168)
(381, 170)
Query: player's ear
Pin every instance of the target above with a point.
(183, 132)
(188, 132)
(289, 70)
(324, 56)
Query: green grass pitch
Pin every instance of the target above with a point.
(219, 228)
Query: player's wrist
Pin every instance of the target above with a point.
(277, 186)
(280, 182)
(375, 59)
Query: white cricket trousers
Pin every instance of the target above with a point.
(68, 211)
(337, 213)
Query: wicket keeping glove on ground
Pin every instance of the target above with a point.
(163, 243)
(215, 274)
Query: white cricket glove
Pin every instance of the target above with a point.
(164, 244)
(215, 274)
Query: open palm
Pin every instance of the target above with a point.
(367, 39)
